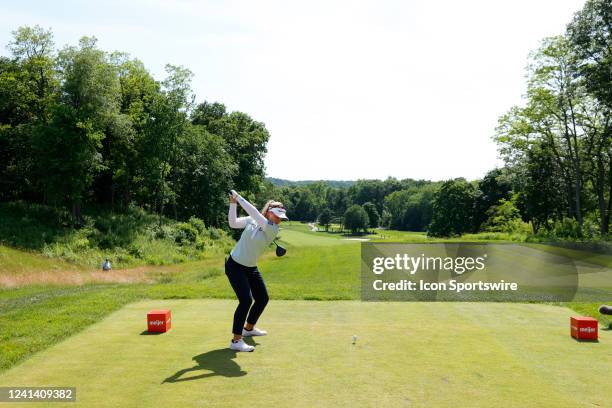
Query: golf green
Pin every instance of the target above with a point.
(406, 354)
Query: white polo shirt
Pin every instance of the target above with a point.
(253, 242)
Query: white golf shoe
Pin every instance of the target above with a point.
(254, 332)
(240, 345)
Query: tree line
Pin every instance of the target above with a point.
(440, 208)
(556, 146)
(80, 125)
(557, 174)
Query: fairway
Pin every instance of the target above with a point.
(167, 241)
(406, 354)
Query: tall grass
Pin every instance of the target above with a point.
(126, 239)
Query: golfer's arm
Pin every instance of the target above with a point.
(233, 221)
(252, 211)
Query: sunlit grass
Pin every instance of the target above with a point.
(318, 266)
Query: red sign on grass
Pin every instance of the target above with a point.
(158, 321)
(583, 328)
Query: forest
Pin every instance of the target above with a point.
(83, 127)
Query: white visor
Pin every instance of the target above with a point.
(279, 212)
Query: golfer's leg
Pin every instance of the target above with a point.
(260, 294)
(240, 283)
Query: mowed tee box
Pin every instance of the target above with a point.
(583, 328)
(159, 321)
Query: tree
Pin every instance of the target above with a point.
(562, 120)
(410, 209)
(591, 35)
(325, 218)
(555, 97)
(28, 89)
(503, 217)
(82, 125)
(166, 123)
(123, 147)
(209, 115)
(373, 191)
(395, 206)
(373, 216)
(337, 200)
(204, 173)
(32, 49)
(543, 188)
(68, 146)
(245, 138)
(417, 212)
(452, 209)
(356, 219)
(493, 187)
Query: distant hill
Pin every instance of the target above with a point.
(332, 183)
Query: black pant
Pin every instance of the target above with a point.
(248, 285)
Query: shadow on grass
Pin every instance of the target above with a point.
(215, 362)
(148, 333)
(250, 341)
(585, 340)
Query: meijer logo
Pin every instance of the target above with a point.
(587, 329)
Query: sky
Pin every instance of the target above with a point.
(347, 89)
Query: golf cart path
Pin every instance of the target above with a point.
(417, 354)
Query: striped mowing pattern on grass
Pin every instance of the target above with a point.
(318, 266)
(406, 354)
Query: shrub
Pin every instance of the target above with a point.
(215, 233)
(567, 228)
(198, 224)
(186, 233)
(504, 217)
(127, 238)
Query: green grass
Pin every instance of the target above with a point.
(128, 239)
(382, 235)
(299, 235)
(406, 354)
(15, 261)
(318, 266)
(35, 317)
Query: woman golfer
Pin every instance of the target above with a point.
(260, 229)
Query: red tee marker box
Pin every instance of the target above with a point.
(583, 328)
(158, 321)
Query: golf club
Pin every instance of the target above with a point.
(606, 310)
(280, 251)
